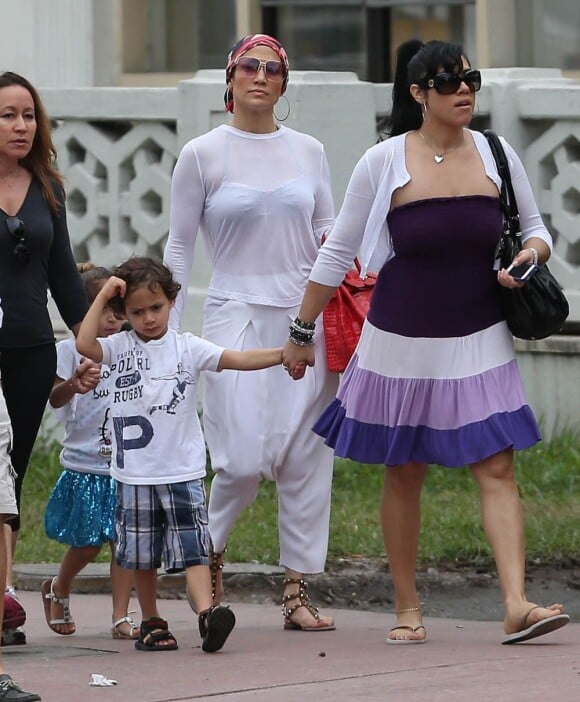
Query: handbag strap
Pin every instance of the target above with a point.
(507, 197)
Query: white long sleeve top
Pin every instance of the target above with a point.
(261, 202)
(362, 221)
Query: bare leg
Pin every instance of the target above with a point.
(2, 578)
(503, 524)
(198, 582)
(401, 522)
(121, 587)
(10, 547)
(146, 587)
(75, 559)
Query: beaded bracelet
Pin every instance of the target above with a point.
(300, 336)
(301, 324)
(301, 343)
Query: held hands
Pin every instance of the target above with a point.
(86, 377)
(295, 359)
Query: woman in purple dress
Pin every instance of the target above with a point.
(434, 378)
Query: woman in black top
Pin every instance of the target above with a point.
(35, 257)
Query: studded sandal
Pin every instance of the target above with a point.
(216, 566)
(303, 601)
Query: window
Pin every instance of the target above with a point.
(363, 36)
(176, 36)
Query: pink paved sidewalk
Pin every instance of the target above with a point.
(463, 661)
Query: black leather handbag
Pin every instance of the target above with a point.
(539, 308)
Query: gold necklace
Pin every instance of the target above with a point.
(438, 156)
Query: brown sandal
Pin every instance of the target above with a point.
(216, 566)
(303, 601)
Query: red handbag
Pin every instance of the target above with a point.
(344, 315)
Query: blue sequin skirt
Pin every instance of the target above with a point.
(81, 509)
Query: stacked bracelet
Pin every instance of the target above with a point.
(301, 324)
(301, 332)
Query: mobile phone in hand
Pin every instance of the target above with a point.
(522, 272)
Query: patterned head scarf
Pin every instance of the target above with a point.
(243, 46)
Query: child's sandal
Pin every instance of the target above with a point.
(153, 632)
(48, 598)
(117, 633)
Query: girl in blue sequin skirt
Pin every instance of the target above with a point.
(80, 510)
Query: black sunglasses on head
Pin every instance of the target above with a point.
(17, 230)
(447, 83)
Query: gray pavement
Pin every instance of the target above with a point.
(462, 660)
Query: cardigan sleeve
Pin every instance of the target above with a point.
(531, 222)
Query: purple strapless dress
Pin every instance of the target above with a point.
(434, 378)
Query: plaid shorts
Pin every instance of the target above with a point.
(162, 523)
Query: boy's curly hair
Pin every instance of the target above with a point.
(144, 270)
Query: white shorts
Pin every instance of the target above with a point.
(7, 495)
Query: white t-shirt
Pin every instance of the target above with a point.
(156, 432)
(262, 203)
(86, 446)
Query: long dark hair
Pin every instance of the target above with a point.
(416, 63)
(40, 161)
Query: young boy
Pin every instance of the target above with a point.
(159, 454)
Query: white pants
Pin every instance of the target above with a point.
(258, 425)
(7, 495)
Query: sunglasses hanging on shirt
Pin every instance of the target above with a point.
(17, 230)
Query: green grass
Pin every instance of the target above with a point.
(548, 478)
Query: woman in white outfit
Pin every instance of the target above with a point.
(260, 194)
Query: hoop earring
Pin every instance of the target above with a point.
(424, 110)
(283, 119)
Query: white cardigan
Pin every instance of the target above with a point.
(362, 221)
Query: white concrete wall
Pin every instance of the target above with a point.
(50, 42)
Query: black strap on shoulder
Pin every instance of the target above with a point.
(507, 198)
